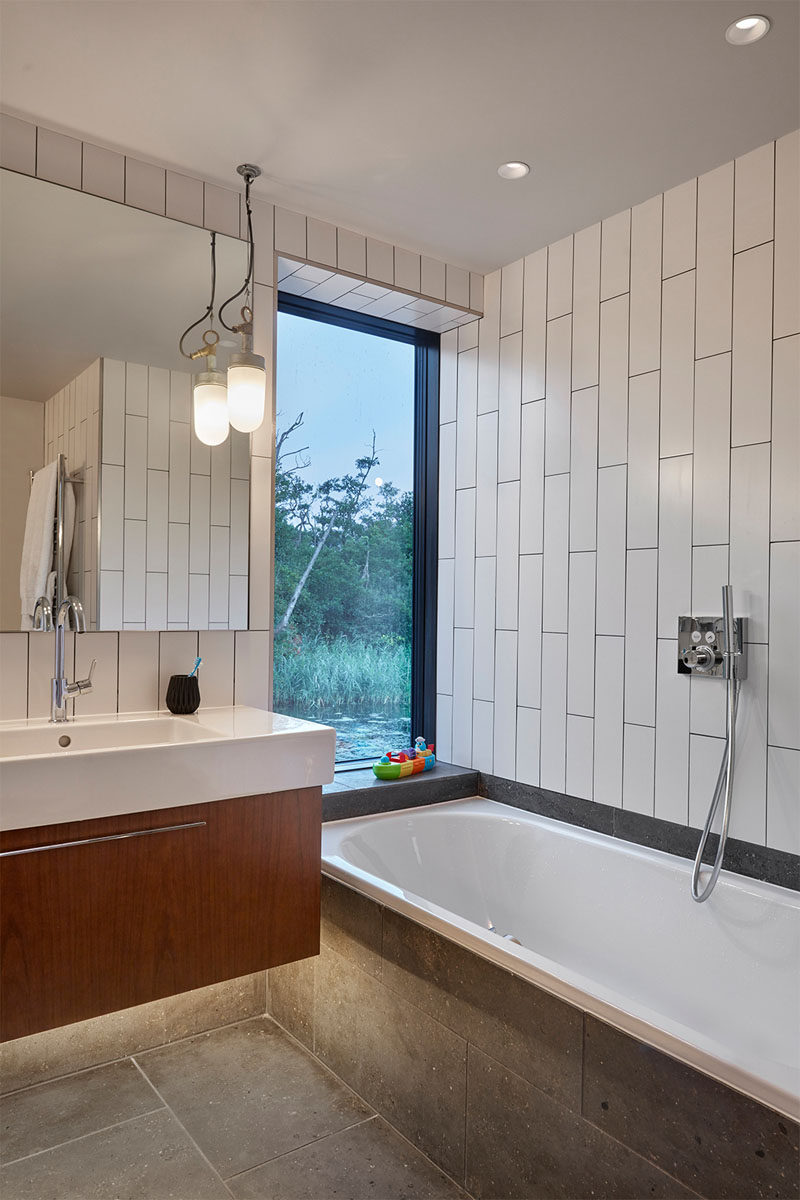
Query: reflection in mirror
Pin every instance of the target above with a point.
(93, 297)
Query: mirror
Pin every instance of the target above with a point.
(93, 298)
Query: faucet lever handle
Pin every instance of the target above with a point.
(85, 685)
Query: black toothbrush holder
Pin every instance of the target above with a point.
(183, 694)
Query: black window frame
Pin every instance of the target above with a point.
(426, 493)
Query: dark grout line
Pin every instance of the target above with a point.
(325, 1137)
(83, 1136)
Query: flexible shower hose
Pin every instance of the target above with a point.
(724, 784)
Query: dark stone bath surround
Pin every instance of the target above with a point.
(511, 1091)
(358, 793)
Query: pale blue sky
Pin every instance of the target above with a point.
(346, 383)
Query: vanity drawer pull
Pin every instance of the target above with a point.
(109, 837)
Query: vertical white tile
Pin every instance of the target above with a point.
(138, 672)
(509, 400)
(557, 402)
(157, 517)
(14, 671)
(752, 346)
(640, 636)
(677, 365)
(528, 732)
(754, 197)
(444, 626)
(110, 600)
(158, 419)
(112, 506)
(784, 666)
(103, 648)
(240, 520)
(638, 771)
(783, 809)
(643, 405)
(680, 229)
(712, 420)
(559, 278)
(156, 600)
(444, 728)
(199, 523)
(705, 755)
(714, 261)
(103, 173)
(448, 373)
(486, 490)
(483, 736)
(674, 542)
(145, 185)
(554, 712)
(531, 519)
(240, 455)
(611, 491)
(180, 396)
(511, 298)
(534, 326)
(467, 411)
(583, 471)
(787, 236)
(505, 704)
(645, 329)
(529, 644)
(615, 255)
(447, 490)
(785, 486)
(198, 601)
(586, 308)
(133, 588)
(216, 672)
(290, 233)
(136, 468)
(608, 700)
(322, 243)
(177, 652)
(507, 555)
(380, 263)
(178, 584)
(465, 558)
(260, 573)
(672, 737)
(178, 471)
(406, 269)
(113, 412)
(17, 145)
(184, 198)
(221, 483)
(580, 757)
(580, 656)
(489, 345)
(612, 422)
(709, 573)
(467, 335)
(476, 292)
(40, 670)
(252, 684)
(462, 698)
(221, 212)
(218, 585)
(556, 553)
(483, 660)
(749, 565)
(433, 282)
(58, 158)
(749, 803)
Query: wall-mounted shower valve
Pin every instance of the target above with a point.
(701, 648)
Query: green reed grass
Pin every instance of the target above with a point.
(320, 674)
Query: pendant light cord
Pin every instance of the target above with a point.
(250, 261)
(209, 313)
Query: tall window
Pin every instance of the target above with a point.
(355, 526)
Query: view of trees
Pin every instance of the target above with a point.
(343, 563)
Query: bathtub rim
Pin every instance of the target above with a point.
(678, 1041)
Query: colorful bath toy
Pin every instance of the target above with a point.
(406, 762)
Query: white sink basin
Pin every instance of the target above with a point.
(137, 762)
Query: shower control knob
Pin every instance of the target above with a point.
(699, 658)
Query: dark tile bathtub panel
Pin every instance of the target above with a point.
(714, 1139)
(537, 1034)
(359, 793)
(522, 1144)
(512, 1092)
(744, 858)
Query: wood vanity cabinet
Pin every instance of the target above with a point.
(93, 922)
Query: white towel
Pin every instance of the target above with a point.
(36, 577)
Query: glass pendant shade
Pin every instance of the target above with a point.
(211, 408)
(247, 390)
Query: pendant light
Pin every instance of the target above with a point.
(209, 391)
(247, 373)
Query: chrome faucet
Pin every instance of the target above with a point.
(43, 615)
(60, 688)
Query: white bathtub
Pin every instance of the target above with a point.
(606, 925)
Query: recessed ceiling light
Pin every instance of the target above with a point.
(747, 30)
(513, 170)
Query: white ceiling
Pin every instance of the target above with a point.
(391, 116)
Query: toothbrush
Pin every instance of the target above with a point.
(193, 671)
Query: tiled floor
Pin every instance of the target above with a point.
(241, 1112)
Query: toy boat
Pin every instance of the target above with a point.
(406, 762)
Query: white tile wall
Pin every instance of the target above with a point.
(642, 489)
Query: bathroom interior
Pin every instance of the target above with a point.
(462, 336)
